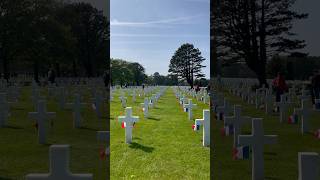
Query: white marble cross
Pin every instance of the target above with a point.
(123, 101)
(76, 107)
(309, 166)
(304, 113)
(236, 120)
(134, 96)
(41, 116)
(4, 110)
(257, 140)
(190, 107)
(98, 101)
(129, 120)
(269, 102)
(145, 107)
(226, 108)
(206, 127)
(283, 108)
(59, 166)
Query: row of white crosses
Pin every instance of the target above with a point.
(205, 121)
(285, 102)
(308, 161)
(129, 119)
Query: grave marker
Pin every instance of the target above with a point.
(59, 170)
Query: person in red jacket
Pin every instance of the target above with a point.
(280, 86)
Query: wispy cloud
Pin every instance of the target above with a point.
(160, 35)
(169, 21)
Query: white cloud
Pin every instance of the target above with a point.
(170, 21)
(160, 35)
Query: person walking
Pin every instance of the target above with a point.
(280, 86)
(315, 86)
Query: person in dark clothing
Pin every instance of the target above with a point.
(280, 86)
(51, 76)
(315, 86)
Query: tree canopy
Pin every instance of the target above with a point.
(35, 35)
(253, 31)
(186, 64)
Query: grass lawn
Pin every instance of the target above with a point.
(164, 145)
(281, 160)
(21, 154)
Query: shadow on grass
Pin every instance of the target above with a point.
(153, 118)
(88, 128)
(270, 153)
(272, 178)
(14, 127)
(3, 178)
(137, 138)
(147, 149)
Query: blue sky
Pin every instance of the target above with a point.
(149, 31)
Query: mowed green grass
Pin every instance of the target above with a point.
(281, 160)
(164, 145)
(21, 154)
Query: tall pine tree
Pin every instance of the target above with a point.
(186, 63)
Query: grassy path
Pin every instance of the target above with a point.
(281, 160)
(164, 145)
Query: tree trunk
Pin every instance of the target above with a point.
(5, 69)
(74, 68)
(36, 70)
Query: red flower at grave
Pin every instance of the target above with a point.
(193, 126)
(123, 125)
(316, 134)
(102, 153)
(223, 132)
(234, 153)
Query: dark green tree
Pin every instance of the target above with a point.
(186, 63)
(252, 31)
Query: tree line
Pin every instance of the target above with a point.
(37, 35)
(124, 72)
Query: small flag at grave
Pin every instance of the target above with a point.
(241, 152)
(196, 127)
(293, 119)
(317, 134)
(102, 153)
(123, 124)
(94, 106)
(227, 130)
